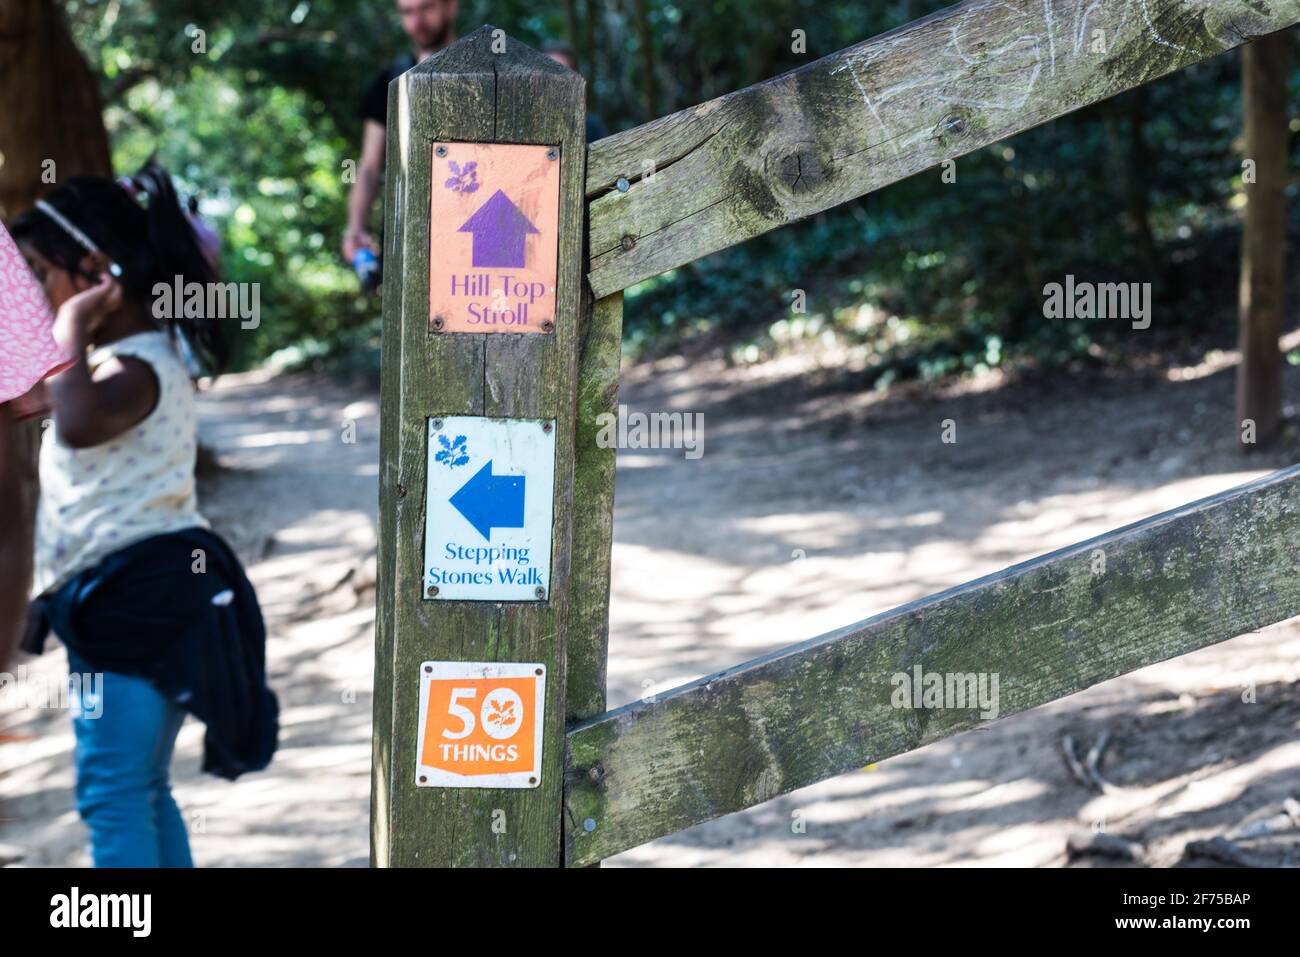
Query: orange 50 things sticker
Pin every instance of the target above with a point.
(493, 237)
(480, 725)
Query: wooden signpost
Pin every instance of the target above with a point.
(482, 313)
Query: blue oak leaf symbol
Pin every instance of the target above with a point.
(454, 453)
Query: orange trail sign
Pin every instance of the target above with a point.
(493, 237)
(480, 724)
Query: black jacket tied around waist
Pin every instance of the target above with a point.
(178, 610)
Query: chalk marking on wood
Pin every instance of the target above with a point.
(1155, 34)
(848, 65)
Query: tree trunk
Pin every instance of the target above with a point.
(51, 125)
(51, 112)
(1265, 66)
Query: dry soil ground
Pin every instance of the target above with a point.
(813, 506)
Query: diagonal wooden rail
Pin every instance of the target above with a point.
(1047, 628)
(757, 159)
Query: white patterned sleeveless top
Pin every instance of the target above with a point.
(97, 500)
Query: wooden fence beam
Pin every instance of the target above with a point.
(749, 162)
(484, 89)
(1047, 628)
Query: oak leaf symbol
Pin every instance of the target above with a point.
(464, 179)
(454, 453)
(502, 713)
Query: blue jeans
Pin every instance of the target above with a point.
(124, 758)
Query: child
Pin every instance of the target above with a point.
(128, 575)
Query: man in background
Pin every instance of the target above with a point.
(430, 25)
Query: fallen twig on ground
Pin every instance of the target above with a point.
(1072, 761)
(1092, 764)
(1101, 844)
(1088, 771)
(1223, 851)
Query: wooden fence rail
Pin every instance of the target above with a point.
(1047, 628)
(757, 159)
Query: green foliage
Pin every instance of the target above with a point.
(259, 127)
(275, 193)
(928, 277)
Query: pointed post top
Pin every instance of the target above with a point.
(490, 49)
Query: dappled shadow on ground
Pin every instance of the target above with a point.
(296, 496)
(1187, 761)
(810, 509)
(778, 534)
(808, 513)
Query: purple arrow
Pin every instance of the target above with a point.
(499, 230)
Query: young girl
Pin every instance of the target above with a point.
(128, 575)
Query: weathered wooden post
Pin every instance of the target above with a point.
(483, 306)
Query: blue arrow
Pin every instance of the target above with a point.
(491, 501)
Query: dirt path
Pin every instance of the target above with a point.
(298, 504)
(811, 508)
